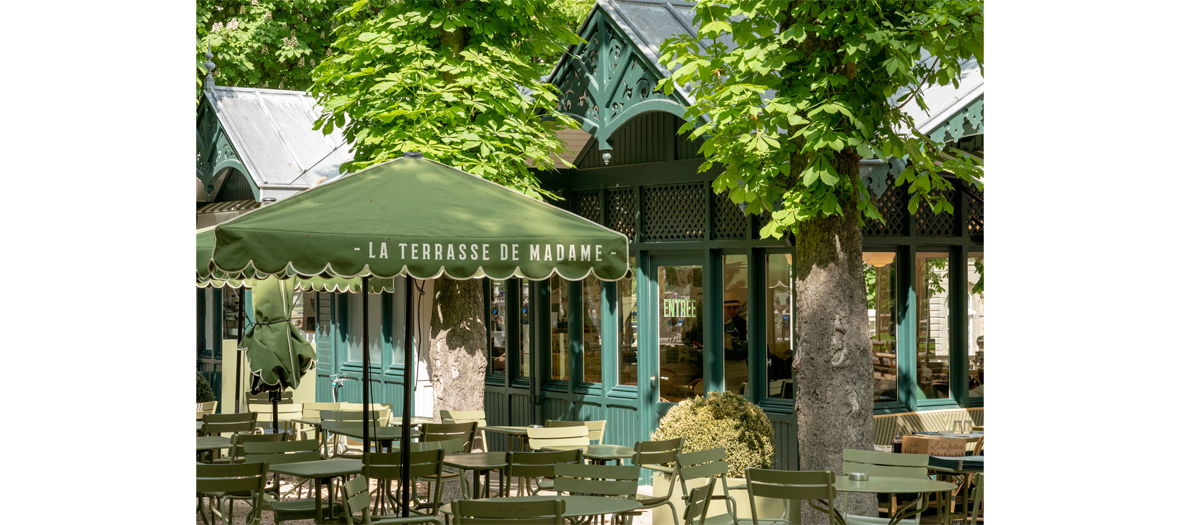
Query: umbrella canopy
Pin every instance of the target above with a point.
(205, 279)
(418, 218)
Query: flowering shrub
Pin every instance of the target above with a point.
(722, 419)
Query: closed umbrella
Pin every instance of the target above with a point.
(420, 219)
(277, 352)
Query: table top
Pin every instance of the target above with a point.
(600, 452)
(948, 434)
(888, 485)
(506, 429)
(576, 506)
(322, 468)
(477, 460)
(379, 433)
(212, 442)
(315, 421)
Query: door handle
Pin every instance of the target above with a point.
(653, 381)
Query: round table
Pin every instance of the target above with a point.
(888, 485)
(576, 506)
(481, 463)
(213, 444)
(321, 471)
(598, 453)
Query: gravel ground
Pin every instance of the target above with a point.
(241, 511)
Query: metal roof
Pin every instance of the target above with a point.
(272, 132)
(945, 101)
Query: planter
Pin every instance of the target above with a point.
(767, 508)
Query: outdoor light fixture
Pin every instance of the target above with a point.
(267, 201)
(878, 259)
(606, 158)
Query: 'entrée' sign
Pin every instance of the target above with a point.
(680, 308)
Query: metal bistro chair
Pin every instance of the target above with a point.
(977, 496)
(466, 416)
(424, 464)
(488, 512)
(356, 499)
(208, 407)
(218, 480)
(527, 466)
(282, 453)
(885, 464)
(595, 430)
(810, 485)
(599, 480)
(653, 455)
(558, 437)
(287, 412)
(433, 432)
(708, 464)
(343, 446)
(696, 504)
(218, 424)
(237, 442)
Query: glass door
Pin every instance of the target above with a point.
(679, 316)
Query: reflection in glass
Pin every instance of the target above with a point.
(356, 328)
(628, 315)
(975, 323)
(559, 327)
(780, 310)
(933, 350)
(735, 339)
(591, 330)
(499, 354)
(880, 275)
(525, 349)
(678, 306)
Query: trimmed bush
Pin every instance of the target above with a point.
(723, 419)
(204, 390)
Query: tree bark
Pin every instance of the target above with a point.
(833, 370)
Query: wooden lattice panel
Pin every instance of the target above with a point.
(942, 224)
(728, 220)
(974, 217)
(585, 203)
(675, 212)
(620, 211)
(892, 205)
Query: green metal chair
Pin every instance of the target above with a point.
(810, 485)
(488, 512)
(708, 464)
(356, 499)
(466, 416)
(598, 480)
(654, 455)
(424, 465)
(343, 446)
(237, 448)
(434, 432)
(216, 481)
(977, 497)
(595, 430)
(889, 465)
(696, 504)
(527, 466)
(284, 452)
(218, 424)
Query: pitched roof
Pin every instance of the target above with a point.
(946, 101)
(272, 132)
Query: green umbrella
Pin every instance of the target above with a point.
(278, 353)
(421, 219)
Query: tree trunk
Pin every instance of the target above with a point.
(458, 349)
(832, 365)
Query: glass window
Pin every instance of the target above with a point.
(680, 332)
(628, 315)
(591, 330)
(297, 310)
(780, 334)
(525, 349)
(498, 357)
(880, 276)
(559, 327)
(933, 350)
(229, 309)
(356, 329)
(975, 323)
(735, 339)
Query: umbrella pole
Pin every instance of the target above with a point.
(407, 391)
(238, 362)
(365, 367)
(274, 409)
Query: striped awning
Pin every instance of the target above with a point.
(216, 213)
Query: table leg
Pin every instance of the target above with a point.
(475, 484)
(319, 507)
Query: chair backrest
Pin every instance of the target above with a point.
(977, 496)
(464, 416)
(538, 464)
(207, 407)
(234, 477)
(313, 409)
(388, 465)
(384, 408)
(237, 447)
(380, 415)
(287, 412)
(659, 456)
(792, 485)
(449, 431)
(282, 452)
(885, 463)
(701, 464)
(595, 430)
(481, 512)
(448, 446)
(216, 424)
(558, 436)
(596, 480)
(696, 507)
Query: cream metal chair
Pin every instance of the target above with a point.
(596, 430)
(598, 480)
(467, 416)
(208, 407)
(794, 485)
(709, 464)
(977, 496)
(653, 455)
(696, 504)
(287, 413)
(558, 437)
